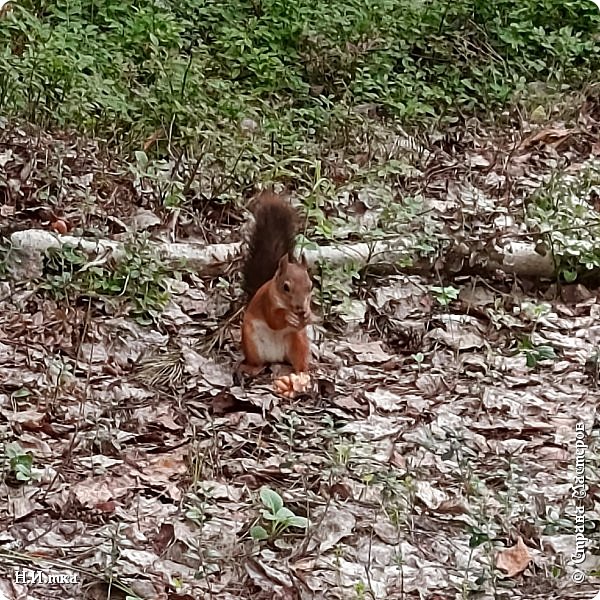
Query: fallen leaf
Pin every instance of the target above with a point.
(514, 560)
(369, 352)
(145, 219)
(163, 538)
(385, 400)
(333, 527)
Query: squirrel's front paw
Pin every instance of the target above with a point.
(290, 385)
(292, 320)
(250, 370)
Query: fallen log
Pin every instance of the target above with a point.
(517, 257)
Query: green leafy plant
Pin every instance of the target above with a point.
(222, 95)
(535, 353)
(138, 279)
(20, 462)
(360, 590)
(179, 78)
(336, 285)
(340, 453)
(564, 220)
(445, 295)
(168, 186)
(275, 517)
(477, 537)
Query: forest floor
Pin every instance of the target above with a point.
(434, 457)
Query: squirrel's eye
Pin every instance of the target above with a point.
(286, 287)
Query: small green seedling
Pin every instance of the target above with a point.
(535, 353)
(478, 537)
(360, 590)
(20, 462)
(419, 358)
(276, 517)
(445, 295)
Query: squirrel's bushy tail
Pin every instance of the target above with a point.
(273, 236)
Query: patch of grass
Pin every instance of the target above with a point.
(188, 74)
(139, 280)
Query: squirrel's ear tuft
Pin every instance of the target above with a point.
(283, 263)
(303, 261)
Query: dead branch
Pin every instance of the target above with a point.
(519, 258)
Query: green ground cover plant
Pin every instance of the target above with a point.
(190, 72)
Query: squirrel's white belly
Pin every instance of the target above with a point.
(271, 343)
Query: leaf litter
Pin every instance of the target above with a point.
(431, 460)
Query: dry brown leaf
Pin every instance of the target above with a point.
(23, 505)
(165, 466)
(514, 560)
(370, 352)
(5, 7)
(385, 400)
(99, 490)
(163, 538)
(335, 525)
(549, 135)
(430, 495)
(30, 419)
(145, 219)
(347, 403)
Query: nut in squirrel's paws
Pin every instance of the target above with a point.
(290, 385)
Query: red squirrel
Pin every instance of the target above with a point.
(279, 287)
